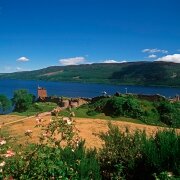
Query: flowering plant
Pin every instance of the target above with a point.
(59, 154)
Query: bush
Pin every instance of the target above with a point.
(161, 153)
(123, 106)
(83, 161)
(136, 156)
(120, 149)
(60, 154)
(169, 113)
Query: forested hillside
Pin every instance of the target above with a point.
(135, 73)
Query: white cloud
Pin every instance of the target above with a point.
(155, 51)
(114, 61)
(152, 56)
(72, 61)
(23, 59)
(110, 61)
(170, 58)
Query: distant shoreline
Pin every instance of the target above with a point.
(95, 82)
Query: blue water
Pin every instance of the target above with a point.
(70, 89)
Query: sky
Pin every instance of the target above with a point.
(35, 34)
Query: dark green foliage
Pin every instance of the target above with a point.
(169, 113)
(96, 106)
(176, 122)
(162, 152)
(22, 100)
(132, 107)
(136, 156)
(5, 103)
(119, 106)
(161, 112)
(148, 72)
(83, 161)
(120, 149)
(44, 162)
(114, 107)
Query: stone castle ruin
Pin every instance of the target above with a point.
(62, 102)
(76, 102)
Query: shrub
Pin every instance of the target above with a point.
(119, 153)
(169, 113)
(123, 106)
(60, 154)
(136, 156)
(161, 153)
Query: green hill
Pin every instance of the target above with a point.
(133, 73)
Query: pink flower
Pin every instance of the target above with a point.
(2, 142)
(9, 153)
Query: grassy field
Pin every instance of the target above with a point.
(38, 107)
(81, 112)
(130, 109)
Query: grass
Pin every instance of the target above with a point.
(38, 107)
(151, 118)
(81, 112)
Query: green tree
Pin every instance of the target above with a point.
(5, 103)
(22, 100)
(167, 112)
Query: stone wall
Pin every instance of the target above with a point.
(65, 103)
(152, 98)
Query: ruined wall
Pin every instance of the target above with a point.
(152, 98)
(73, 102)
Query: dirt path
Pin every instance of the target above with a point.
(16, 121)
(88, 128)
(4, 119)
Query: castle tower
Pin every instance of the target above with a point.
(42, 93)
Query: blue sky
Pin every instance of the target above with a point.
(39, 33)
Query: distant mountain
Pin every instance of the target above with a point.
(132, 73)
